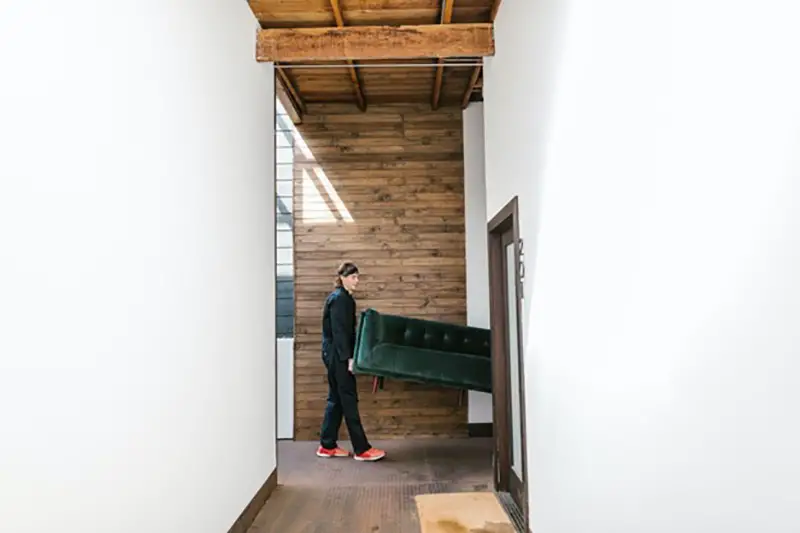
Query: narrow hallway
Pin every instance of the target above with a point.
(344, 496)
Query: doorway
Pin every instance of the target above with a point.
(508, 400)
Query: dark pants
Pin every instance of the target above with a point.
(342, 401)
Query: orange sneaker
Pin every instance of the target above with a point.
(336, 452)
(372, 454)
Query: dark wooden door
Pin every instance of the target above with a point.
(507, 358)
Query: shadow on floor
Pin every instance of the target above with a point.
(344, 496)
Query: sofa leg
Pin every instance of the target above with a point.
(374, 384)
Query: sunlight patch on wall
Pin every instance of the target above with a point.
(314, 207)
(318, 198)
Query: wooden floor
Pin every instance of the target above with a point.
(344, 496)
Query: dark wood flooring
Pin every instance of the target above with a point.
(344, 496)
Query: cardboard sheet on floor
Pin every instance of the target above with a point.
(464, 512)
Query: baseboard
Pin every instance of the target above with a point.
(482, 429)
(250, 512)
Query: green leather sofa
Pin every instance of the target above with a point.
(424, 351)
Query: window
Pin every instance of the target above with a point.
(284, 246)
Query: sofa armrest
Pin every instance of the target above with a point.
(365, 339)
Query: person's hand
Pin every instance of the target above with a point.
(350, 365)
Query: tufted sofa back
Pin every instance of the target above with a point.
(430, 335)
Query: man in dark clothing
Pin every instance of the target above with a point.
(338, 342)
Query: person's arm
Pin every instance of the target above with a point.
(342, 326)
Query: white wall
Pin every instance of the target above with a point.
(137, 345)
(480, 403)
(655, 149)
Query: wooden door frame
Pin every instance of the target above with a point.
(506, 219)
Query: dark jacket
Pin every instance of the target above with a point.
(339, 325)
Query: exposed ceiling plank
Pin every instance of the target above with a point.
(362, 103)
(477, 71)
(289, 86)
(447, 16)
(286, 99)
(375, 42)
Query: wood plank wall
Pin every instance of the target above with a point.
(384, 189)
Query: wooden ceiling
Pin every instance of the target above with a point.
(361, 82)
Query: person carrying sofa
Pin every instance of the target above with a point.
(338, 343)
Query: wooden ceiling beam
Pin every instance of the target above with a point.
(288, 102)
(289, 90)
(447, 16)
(362, 102)
(473, 80)
(475, 73)
(375, 42)
(495, 9)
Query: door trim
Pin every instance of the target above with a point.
(506, 219)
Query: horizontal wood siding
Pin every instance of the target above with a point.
(384, 189)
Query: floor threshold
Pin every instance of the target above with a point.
(512, 510)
